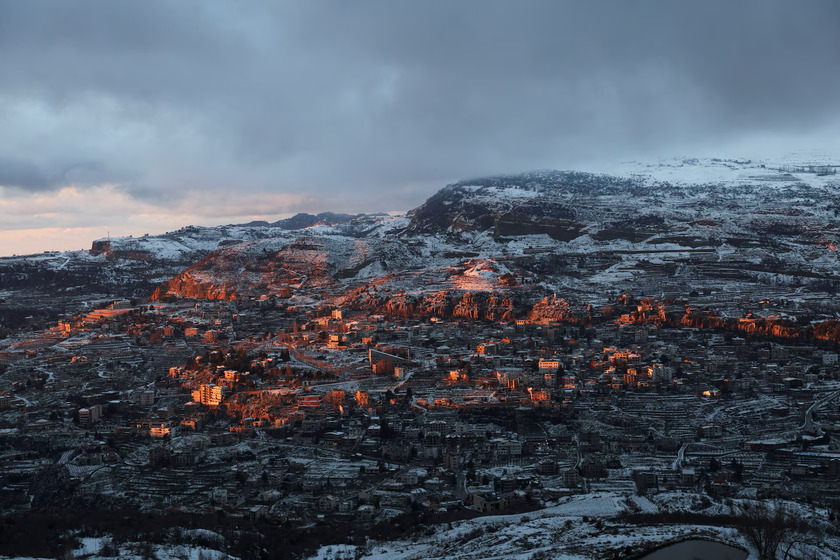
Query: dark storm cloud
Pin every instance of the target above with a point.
(363, 97)
(28, 176)
(22, 175)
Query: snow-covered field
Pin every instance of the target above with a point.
(582, 528)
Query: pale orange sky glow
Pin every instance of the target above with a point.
(28, 241)
(71, 218)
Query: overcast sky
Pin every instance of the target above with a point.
(135, 117)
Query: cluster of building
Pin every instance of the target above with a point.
(277, 412)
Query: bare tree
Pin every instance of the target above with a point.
(772, 529)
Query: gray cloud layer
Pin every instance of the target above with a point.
(350, 100)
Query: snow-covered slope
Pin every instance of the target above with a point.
(666, 227)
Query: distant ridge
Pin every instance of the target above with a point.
(304, 220)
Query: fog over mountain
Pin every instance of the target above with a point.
(148, 116)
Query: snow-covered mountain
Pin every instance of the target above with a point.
(515, 239)
(666, 228)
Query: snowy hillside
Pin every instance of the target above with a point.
(661, 228)
(667, 228)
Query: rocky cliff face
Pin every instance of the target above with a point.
(491, 306)
(241, 272)
(552, 308)
(184, 285)
(299, 261)
(100, 247)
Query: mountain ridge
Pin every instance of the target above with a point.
(576, 231)
(666, 229)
